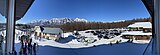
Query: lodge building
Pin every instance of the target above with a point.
(46, 32)
(139, 31)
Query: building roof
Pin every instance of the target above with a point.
(141, 24)
(52, 30)
(22, 7)
(135, 33)
(149, 5)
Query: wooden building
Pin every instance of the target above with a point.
(139, 31)
(46, 32)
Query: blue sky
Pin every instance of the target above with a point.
(92, 10)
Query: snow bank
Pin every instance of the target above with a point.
(66, 34)
(75, 44)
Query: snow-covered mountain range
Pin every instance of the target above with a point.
(56, 21)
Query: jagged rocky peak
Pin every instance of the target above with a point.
(56, 21)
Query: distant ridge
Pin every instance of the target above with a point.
(56, 21)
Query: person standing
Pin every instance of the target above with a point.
(34, 48)
(25, 50)
(29, 48)
(15, 53)
(21, 49)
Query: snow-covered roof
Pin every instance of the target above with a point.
(141, 24)
(135, 33)
(89, 30)
(52, 30)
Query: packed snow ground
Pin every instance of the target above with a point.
(75, 44)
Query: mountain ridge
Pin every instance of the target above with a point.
(56, 21)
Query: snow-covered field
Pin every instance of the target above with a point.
(48, 46)
(75, 44)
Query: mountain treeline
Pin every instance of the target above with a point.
(78, 26)
(71, 26)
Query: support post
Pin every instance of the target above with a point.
(156, 34)
(10, 27)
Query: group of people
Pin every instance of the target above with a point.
(26, 46)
